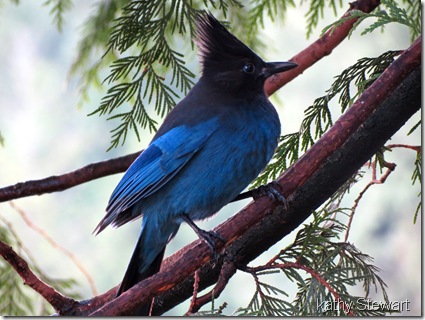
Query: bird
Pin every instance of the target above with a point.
(209, 148)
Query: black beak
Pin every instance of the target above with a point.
(272, 68)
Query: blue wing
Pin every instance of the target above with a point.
(155, 166)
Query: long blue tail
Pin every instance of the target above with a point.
(146, 259)
(133, 276)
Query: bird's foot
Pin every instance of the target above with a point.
(210, 237)
(270, 190)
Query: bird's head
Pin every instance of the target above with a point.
(229, 62)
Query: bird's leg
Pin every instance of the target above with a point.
(270, 190)
(209, 237)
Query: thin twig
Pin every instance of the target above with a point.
(18, 242)
(55, 245)
(227, 271)
(415, 148)
(195, 293)
(68, 180)
(390, 168)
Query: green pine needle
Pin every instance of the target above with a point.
(59, 7)
(393, 12)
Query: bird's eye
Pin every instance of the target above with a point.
(249, 68)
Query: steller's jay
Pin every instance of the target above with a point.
(209, 148)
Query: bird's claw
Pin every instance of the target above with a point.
(270, 190)
(211, 238)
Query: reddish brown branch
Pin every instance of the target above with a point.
(241, 231)
(390, 168)
(320, 48)
(195, 293)
(67, 180)
(227, 271)
(406, 146)
(57, 300)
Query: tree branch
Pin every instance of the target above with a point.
(57, 300)
(320, 48)
(390, 168)
(68, 180)
(228, 269)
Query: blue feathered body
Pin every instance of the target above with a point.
(195, 165)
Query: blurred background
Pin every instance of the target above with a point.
(46, 133)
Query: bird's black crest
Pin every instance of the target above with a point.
(217, 45)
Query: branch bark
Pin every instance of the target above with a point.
(57, 300)
(320, 48)
(68, 180)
